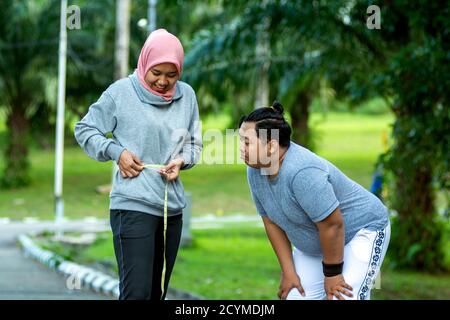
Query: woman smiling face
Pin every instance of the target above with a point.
(162, 77)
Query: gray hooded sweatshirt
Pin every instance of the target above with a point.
(154, 129)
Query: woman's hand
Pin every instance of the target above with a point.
(288, 282)
(335, 286)
(172, 170)
(129, 164)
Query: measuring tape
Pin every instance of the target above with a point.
(163, 276)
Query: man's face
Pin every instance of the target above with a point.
(162, 77)
(254, 151)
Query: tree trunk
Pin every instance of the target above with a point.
(16, 171)
(121, 53)
(41, 129)
(299, 118)
(122, 39)
(417, 235)
(263, 51)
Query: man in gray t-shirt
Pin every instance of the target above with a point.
(307, 202)
(308, 189)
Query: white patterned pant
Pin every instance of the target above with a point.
(363, 257)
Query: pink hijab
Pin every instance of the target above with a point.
(160, 47)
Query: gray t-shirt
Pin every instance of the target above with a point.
(306, 190)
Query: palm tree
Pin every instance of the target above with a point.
(28, 70)
(224, 65)
(28, 41)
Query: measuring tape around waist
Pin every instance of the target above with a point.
(163, 275)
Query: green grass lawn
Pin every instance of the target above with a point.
(232, 263)
(239, 263)
(351, 141)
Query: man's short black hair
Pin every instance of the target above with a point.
(270, 118)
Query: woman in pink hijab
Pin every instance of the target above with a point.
(154, 120)
(162, 54)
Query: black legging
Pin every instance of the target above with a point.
(138, 246)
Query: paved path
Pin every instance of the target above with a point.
(26, 279)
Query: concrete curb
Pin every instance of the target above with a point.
(78, 276)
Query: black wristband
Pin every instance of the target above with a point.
(331, 270)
